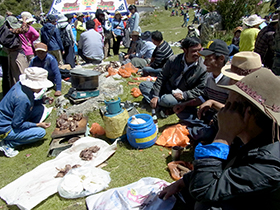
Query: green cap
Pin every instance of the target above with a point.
(13, 22)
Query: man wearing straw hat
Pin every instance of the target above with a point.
(20, 114)
(248, 178)
(249, 35)
(242, 64)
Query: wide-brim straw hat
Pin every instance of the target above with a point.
(242, 64)
(29, 17)
(35, 78)
(253, 20)
(261, 88)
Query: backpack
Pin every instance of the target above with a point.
(64, 37)
(8, 39)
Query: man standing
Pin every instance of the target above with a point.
(51, 37)
(20, 114)
(245, 178)
(160, 55)
(91, 45)
(182, 78)
(265, 42)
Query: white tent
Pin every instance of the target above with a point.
(88, 6)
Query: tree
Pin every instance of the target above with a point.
(232, 10)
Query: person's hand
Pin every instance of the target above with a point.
(153, 102)
(57, 93)
(232, 120)
(63, 52)
(172, 189)
(126, 56)
(203, 108)
(178, 96)
(43, 125)
(178, 108)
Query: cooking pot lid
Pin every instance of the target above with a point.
(85, 73)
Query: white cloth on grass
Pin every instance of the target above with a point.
(35, 186)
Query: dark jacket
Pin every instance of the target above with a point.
(192, 83)
(50, 35)
(249, 180)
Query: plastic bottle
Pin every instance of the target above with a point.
(154, 116)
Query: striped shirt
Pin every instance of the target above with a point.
(161, 55)
(212, 91)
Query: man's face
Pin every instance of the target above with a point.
(211, 63)
(192, 53)
(41, 54)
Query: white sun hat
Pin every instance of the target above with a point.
(35, 78)
(28, 16)
(253, 20)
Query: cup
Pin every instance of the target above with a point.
(176, 152)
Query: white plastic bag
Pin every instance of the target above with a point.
(142, 194)
(83, 181)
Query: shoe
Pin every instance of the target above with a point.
(9, 151)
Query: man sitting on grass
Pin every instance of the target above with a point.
(248, 178)
(161, 54)
(20, 114)
(216, 57)
(182, 79)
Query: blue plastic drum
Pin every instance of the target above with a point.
(143, 135)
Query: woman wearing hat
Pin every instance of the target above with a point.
(249, 35)
(20, 113)
(117, 30)
(29, 37)
(17, 59)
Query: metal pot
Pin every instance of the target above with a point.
(82, 79)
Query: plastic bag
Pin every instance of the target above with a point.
(83, 181)
(135, 92)
(112, 71)
(178, 168)
(138, 195)
(175, 135)
(115, 126)
(127, 69)
(96, 129)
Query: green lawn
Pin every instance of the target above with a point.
(127, 165)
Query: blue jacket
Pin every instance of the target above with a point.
(51, 65)
(115, 24)
(50, 30)
(15, 109)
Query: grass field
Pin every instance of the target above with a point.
(127, 165)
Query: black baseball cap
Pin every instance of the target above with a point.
(217, 46)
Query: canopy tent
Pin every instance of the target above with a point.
(88, 6)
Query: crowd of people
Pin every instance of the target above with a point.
(231, 109)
